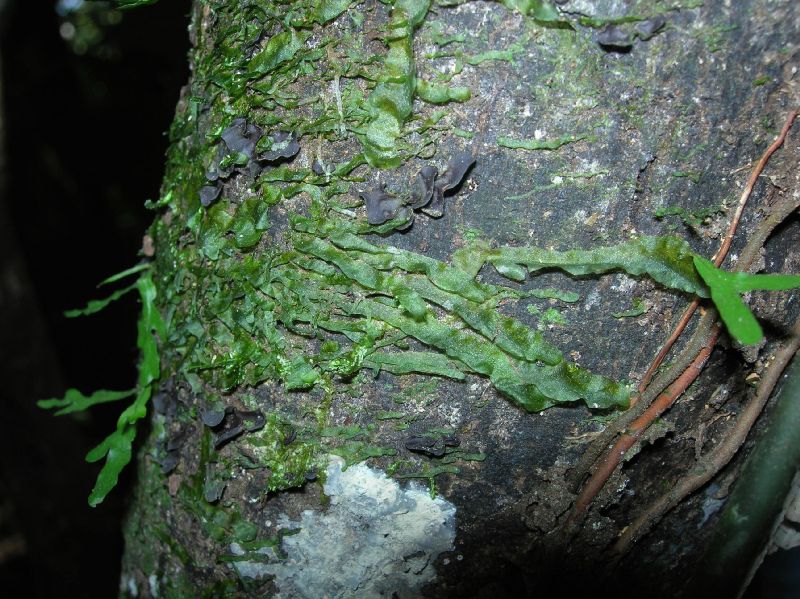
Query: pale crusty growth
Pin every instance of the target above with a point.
(375, 539)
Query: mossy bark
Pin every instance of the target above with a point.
(576, 145)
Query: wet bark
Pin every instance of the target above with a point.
(646, 123)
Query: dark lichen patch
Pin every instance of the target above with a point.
(423, 186)
(245, 149)
(172, 446)
(214, 483)
(234, 423)
(381, 206)
(280, 145)
(168, 548)
(456, 169)
(431, 453)
(213, 417)
(431, 445)
(209, 193)
(613, 37)
(618, 36)
(426, 193)
(649, 27)
(241, 137)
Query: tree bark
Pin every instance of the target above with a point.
(291, 454)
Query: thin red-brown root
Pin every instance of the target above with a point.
(721, 253)
(711, 463)
(682, 324)
(628, 438)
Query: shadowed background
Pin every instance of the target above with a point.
(87, 93)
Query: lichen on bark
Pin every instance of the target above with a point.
(280, 298)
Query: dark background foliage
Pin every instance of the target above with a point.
(87, 97)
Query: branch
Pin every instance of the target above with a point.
(628, 438)
(722, 252)
(710, 464)
(645, 414)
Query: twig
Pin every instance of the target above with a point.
(662, 353)
(722, 252)
(710, 464)
(648, 413)
(705, 469)
(604, 440)
(748, 257)
(646, 391)
(719, 257)
(628, 438)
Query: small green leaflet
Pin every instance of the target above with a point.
(541, 10)
(412, 361)
(96, 305)
(391, 101)
(441, 94)
(75, 401)
(638, 307)
(299, 374)
(279, 49)
(117, 447)
(117, 450)
(125, 273)
(539, 144)
(725, 290)
(124, 4)
(327, 10)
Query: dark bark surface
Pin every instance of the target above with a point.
(674, 120)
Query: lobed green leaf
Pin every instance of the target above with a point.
(126, 4)
(117, 450)
(125, 273)
(279, 49)
(667, 260)
(75, 401)
(328, 10)
(411, 361)
(94, 306)
(117, 447)
(390, 102)
(533, 387)
(441, 94)
(538, 144)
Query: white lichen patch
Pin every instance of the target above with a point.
(623, 283)
(152, 582)
(128, 583)
(376, 539)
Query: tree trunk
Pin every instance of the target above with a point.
(334, 418)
